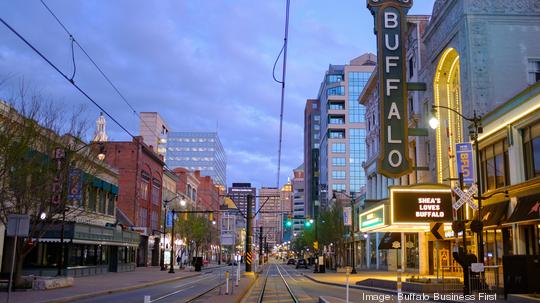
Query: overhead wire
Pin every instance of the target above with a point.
(65, 76)
(115, 88)
(108, 80)
(284, 73)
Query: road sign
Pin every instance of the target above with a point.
(477, 267)
(464, 153)
(466, 197)
(18, 225)
(227, 239)
(437, 229)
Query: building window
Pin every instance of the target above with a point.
(316, 127)
(336, 134)
(336, 91)
(357, 82)
(338, 187)
(316, 136)
(338, 147)
(144, 190)
(154, 219)
(534, 71)
(411, 67)
(336, 120)
(317, 118)
(531, 148)
(143, 215)
(494, 164)
(314, 105)
(156, 190)
(338, 174)
(336, 106)
(334, 79)
(338, 161)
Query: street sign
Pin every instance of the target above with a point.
(347, 216)
(437, 229)
(464, 154)
(477, 267)
(227, 239)
(18, 225)
(465, 197)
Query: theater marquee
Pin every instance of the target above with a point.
(412, 205)
(390, 24)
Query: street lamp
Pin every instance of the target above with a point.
(474, 132)
(353, 246)
(166, 202)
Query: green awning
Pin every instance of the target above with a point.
(114, 189)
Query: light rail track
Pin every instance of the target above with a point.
(279, 290)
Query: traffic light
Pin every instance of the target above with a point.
(307, 222)
(211, 218)
(289, 222)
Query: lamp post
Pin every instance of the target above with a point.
(475, 131)
(353, 246)
(182, 204)
(61, 155)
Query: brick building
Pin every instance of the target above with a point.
(140, 195)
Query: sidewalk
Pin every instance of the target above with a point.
(86, 287)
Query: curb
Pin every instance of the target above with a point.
(241, 297)
(375, 289)
(116, 290)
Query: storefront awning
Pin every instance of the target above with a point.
(390, 241)
(527, 210)
(494, 214)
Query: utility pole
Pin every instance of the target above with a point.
(260, 245)
(249, 231)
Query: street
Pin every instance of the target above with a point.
(306, 290)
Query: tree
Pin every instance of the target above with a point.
(29, 134)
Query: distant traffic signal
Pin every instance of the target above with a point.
(289, 222)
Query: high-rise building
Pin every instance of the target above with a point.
(299, 206)
(343, 127)
(198, 151)
(154, 131)
(286, 198)
(269, 216)
(312, 138)
(239, 192)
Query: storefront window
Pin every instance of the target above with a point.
(412, 253)
(531, 149)
(494, 162)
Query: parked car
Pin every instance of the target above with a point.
(291, 261)
(301, 263)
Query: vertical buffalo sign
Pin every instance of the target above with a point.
(390, 24)
(464, 154)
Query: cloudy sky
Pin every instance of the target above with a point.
(204, 65)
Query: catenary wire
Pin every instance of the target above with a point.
(115, 88)
(65, 76)
(284, 73)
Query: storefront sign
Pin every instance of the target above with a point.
(421, 205)
(464, 154)
(390, 24)
(75, 185)
(372, 219)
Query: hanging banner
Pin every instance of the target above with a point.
(75, 179)
(464, 154)
(390, 24)
(347, 216)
